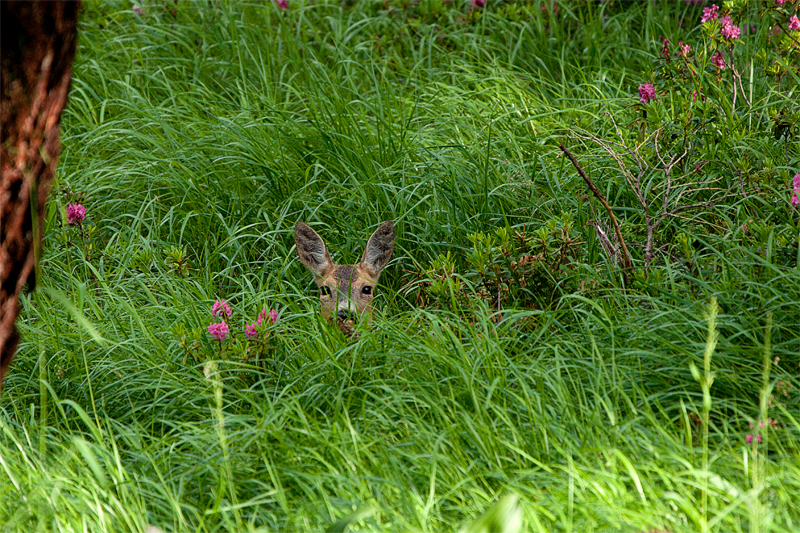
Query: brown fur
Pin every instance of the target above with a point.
(345, 283)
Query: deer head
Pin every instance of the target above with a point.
(345, 291)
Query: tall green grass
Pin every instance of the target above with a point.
(214, 129)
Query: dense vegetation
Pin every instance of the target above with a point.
(510, 354)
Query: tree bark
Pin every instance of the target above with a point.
(38, 44)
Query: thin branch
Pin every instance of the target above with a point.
(626, 257)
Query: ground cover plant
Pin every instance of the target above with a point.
(174, 369)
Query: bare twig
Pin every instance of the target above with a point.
(626, 257)
(605, 243)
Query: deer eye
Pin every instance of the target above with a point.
(366, 290)
(326, 291)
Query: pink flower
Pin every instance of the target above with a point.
(794, 23)
(218, 330)
(665, 48)
(702, 96)
(796, 196)
(718, 60)
(731, 32)
(553, 5)
(220, 309)
(646, 93)
(729, 29)
(780, 2)
(478, 3)
(283, 4)
(748, 439)
(683, 49)
(251, 330)
(75, 214)
(709, 14)
(137, 9)
(273, 315)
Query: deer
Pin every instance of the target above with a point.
(345, 291)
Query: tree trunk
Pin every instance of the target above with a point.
(38, 45)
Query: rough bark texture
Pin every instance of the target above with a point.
(38, 45)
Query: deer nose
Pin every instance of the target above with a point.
(345, 315)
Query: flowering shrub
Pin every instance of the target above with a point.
(251, 330)
(692, 110)
(75, 214)
(256, 332)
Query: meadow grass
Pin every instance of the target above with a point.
(197, 134)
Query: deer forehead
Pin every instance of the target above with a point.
(345, 275)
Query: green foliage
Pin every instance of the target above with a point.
(509, 380)
(509, 268)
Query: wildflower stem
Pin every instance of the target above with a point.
(212, 373)
(42, 403)
(707, 381)
(762, 428)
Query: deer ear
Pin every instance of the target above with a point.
(380, 247)
(311, 249)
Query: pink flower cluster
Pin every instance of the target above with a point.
(683, 49)
(553, 5)
(729, 29)
(796, 185)
(794, 23)
(773, 423)
(718, 60)
(221, 309)
(282, 4)
(665, 48)
(251, 331)
(646, 93)
(219, 330)
(749, 438)
(75, 214)
(709, 14)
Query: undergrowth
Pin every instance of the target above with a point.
(511, 358)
